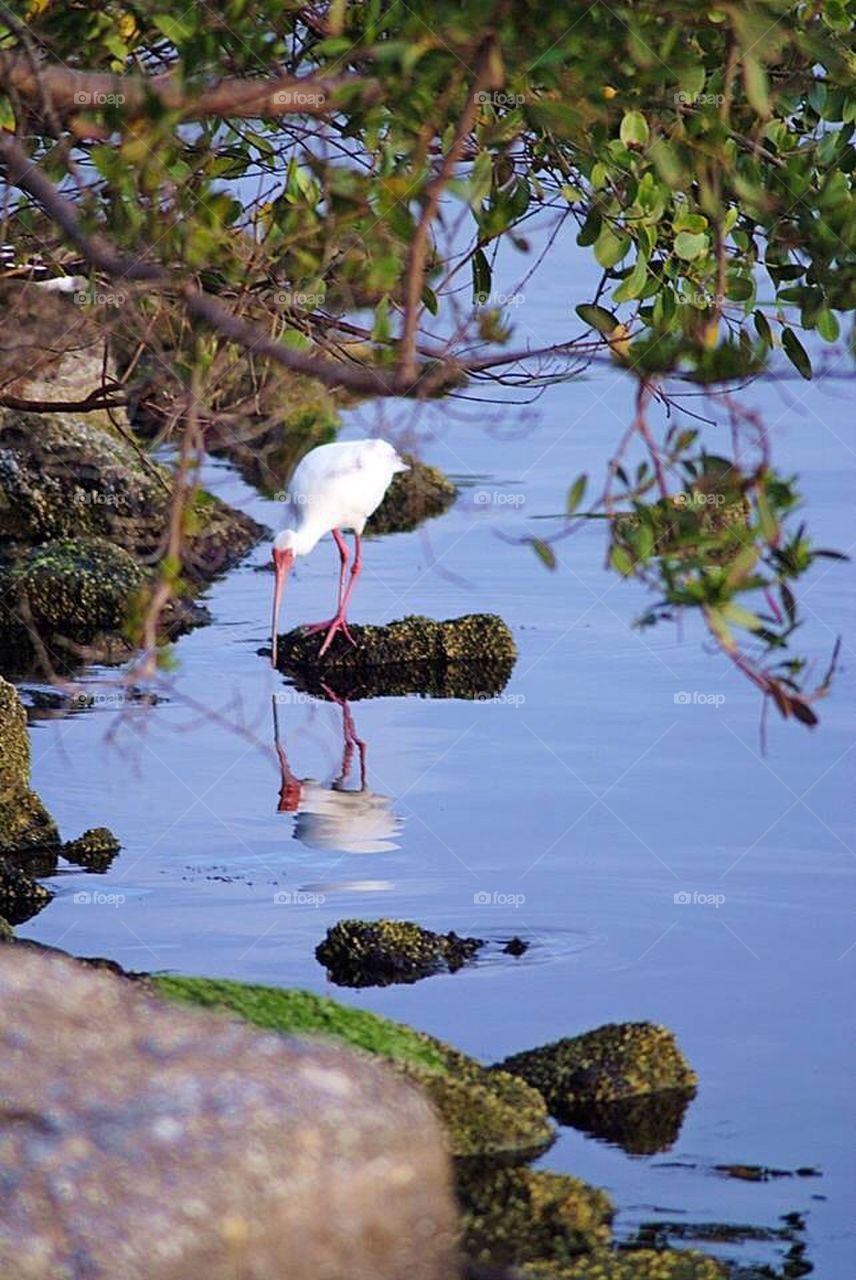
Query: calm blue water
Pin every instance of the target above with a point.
(570, 811)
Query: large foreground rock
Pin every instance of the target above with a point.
(152, 1143)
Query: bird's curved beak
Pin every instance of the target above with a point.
(282, 562)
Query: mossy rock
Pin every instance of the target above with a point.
(95, 849)
(614, 1063)
(7, 933)
(377, 953)
(468, 657)
(512, 1216)
(632, 1264)
(14, 740)
(77, 592)
(414, 496)
(21, 897)
(488, 1115)
(25, 824)
(62, 477)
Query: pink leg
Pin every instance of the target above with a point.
(312, 627)
(340, 622)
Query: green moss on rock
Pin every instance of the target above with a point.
(468, 657)
(613, 1063)
(25, 823)
(14, 740)
(416, 495)
(632, 1264)
(376, 953)
(7, 933)
(77, 587)
(488, 1115)
(512, 1216)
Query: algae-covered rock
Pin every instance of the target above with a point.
(7, 933)
(25, 823)
(632, 1264)
(616, 1062)
(413, 496)
(469, 657)
(94, 850)
(488, 1115)
(21, 897)
(62, 477)
(519, 1215)
(376, 953)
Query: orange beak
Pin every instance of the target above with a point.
(282, 562)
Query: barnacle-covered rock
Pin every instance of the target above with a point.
(489, 1116)
(63, 477)
(413, 496)
(468, 657)
(614, 1063)
(21, 897)
(632, 1264)
(94, 850)
(377, 953)
(519, 1215)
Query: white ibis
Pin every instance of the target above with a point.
(336, 487)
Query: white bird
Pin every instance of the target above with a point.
(336, 487)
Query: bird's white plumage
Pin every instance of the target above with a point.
(337, 486)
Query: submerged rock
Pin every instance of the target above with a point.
(489, 1116)
(612, 1064)
(95, 849)
(192, 1145)
(377, 953)
(469, 657)
(416, 495)
(519, 1215)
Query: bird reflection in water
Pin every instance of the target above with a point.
(333, 815)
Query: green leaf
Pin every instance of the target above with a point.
(796, 353)
(597, 317)
(827, 325)
(690, 244)
(575, 494)
(620, 560)
(610, 248)
(482, 278)
(757, 86)
(176, 29)
(762, 328)
(634, 131)
(544, 552)
(633, 284)
(741, 617)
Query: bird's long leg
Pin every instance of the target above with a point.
(344, 556)
(340, 622)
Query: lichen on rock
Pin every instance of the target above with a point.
(414, 496)
(468, 657)
(95, 849)
(611, 1064)
(21, 897)
(25, 823)
(377, 953)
